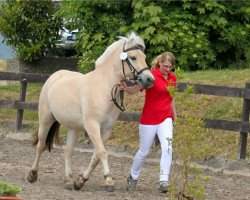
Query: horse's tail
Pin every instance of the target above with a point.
(53, 136)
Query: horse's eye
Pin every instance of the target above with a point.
(133, 58)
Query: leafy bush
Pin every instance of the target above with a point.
(189, 146)
(8, 189)
(202, 34)
(29, 26)
(188, 180)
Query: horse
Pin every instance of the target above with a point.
(81, 102)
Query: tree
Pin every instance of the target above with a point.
(99, 24)
(29, 26)
(202, 34)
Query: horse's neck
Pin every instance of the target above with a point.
(110, 70)
(109, 74)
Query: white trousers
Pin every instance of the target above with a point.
(147, 134)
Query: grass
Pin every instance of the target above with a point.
(126, 133)
(230, 78)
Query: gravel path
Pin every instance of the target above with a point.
(17, 156)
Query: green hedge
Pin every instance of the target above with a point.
(202, 34)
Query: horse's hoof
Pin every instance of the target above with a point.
(32, 177)
(69, 185)
(109, 188)
(78, 183)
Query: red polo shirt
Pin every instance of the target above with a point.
(158, 100)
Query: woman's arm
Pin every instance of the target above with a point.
(173, 108)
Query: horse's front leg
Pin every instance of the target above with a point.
(84, 176)
(100, 154)
(72, 138)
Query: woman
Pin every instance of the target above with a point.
(157, 117)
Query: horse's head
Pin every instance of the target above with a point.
(134, 66)
(132, 60)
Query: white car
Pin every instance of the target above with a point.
(68, 40)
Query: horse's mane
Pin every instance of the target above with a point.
(130, 41)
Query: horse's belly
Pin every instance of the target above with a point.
(69, 120)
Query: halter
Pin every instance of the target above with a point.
(124, 57)
(135, 78)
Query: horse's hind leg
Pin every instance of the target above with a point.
(72, 138)
(43, 130)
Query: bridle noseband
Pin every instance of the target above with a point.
(134, 79)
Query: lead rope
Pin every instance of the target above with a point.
(114, 99)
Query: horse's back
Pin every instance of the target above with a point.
(51, 83)
(58, 75)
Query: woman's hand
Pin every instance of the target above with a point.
(130, 89)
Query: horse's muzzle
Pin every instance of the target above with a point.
(146, 82)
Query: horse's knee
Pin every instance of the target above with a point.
(41, 146)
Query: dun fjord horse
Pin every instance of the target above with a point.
(83, 102)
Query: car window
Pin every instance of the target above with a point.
(73, 36)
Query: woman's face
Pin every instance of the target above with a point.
(165, 67)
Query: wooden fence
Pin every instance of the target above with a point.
(242, 126)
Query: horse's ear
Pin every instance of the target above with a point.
(129, 42)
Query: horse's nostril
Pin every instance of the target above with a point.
(150, 80)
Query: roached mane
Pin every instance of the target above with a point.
(130, 41)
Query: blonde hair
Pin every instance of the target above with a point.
(166, 56)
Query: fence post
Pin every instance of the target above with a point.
(22, 97)
(245, 118)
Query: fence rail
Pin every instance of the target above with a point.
(242, 126)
